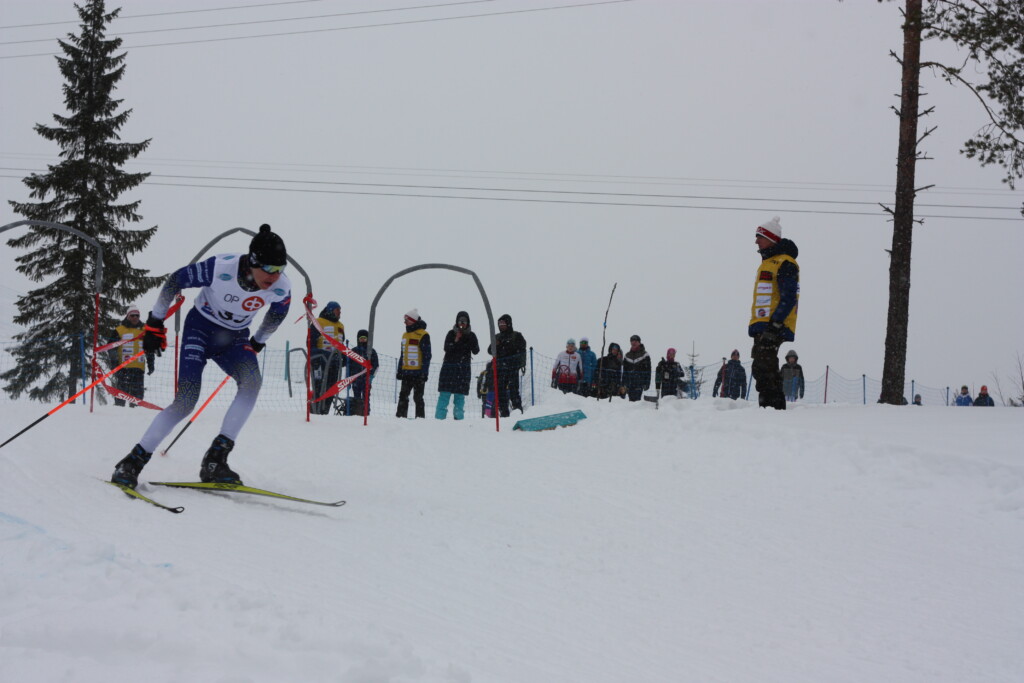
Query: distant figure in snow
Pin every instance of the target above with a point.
(917, 400)
(460, 345)
(732, 378)
(586, 387)
(325, 361)
(609, 374)
(359, 385)
(669, 376)
(983, 398)
(963, 398)
(792, 377)
(511, 358)
(636, 369)
(131, 378)
(774, 311)
(413, 364)
(568, 371)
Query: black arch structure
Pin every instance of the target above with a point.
(487, 307)
(97, 276)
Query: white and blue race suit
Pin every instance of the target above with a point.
(217, 329)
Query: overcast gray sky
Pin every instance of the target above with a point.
(566, 149)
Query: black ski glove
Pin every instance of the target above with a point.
(154, 337)
(256, 346)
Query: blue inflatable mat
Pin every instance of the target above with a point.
(539, 424)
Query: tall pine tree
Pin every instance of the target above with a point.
(991, 34)
(80, 191)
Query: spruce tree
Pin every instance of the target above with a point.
(80, 191)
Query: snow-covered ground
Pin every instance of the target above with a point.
(705, 541)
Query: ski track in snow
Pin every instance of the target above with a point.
(703, 541)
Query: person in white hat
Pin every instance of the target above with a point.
(773, 314)
(568, 370)
(414, 364)
(131, 379)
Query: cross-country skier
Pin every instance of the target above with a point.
(235, 288)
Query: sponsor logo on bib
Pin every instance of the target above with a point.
(253, 303)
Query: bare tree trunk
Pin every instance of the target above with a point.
(894, 370)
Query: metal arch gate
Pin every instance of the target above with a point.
(487, 307)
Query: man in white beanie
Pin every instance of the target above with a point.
(413, 364)
(130, 379)
(773, 314)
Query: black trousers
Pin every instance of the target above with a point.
(131, 381)
(415, 386)
(767, 376)
(508, 391)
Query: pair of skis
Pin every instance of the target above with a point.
(217, 488)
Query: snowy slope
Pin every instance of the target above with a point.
(705, 541)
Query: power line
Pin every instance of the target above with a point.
(164, 14)
(569, 192)
(545, 176)
(632, 195)
(264, 21)
(346, 28)
(549, 200)
(876, 214)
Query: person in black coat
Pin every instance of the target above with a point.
(460, 345)
(669, 376)
(983, 399)
(732, 378)
(609, 373)
(511, 357)
(359, 385)
(792, 377)
(636, 369)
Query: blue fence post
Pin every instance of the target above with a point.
(864, 387)
(912, 392)
(533, 398)
(287, 363)
(750, 384)
(947, 396)
(693, 382)
(81, 351)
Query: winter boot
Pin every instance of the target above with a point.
(215, 463)
(127, 471)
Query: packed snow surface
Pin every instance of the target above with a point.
(702, 541)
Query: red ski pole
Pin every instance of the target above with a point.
(193, 418)
(83, 390)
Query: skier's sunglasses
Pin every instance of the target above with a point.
(264, 267)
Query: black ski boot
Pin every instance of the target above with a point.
(127, 471)
(215, 463)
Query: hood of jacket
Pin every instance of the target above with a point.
(784, 246)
